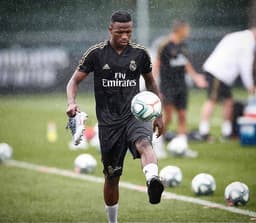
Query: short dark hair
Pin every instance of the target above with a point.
(177, 24)
(121, 16)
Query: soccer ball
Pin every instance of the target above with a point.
(146, 106)
(177, 146)
(236, 193)
(171, 176)
(5, 152)
(85, 163)
(203, 184)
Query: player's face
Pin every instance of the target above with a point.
(121, 33)
(184, 32)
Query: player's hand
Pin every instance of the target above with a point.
(72, 109)
(158, 126)
(200, 81)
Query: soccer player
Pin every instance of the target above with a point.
(117, 65)
(232, 56)
(172, 64)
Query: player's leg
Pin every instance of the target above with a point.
(111, 198)
(111, 191)
(167, 115)
(167, 99)
(206, 114)
(226, 94)
(113, 151)
(150, 169)
(209, 105)
(139, 135)
(226, 128)
(182, 123)
(181, 106)
(147, 156)
(180, 102)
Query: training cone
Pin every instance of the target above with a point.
(51, 132)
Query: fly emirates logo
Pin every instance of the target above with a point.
(119, 81)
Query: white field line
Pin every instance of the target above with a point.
(126, 185)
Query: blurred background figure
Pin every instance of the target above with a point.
(233, 55)
(172, 65)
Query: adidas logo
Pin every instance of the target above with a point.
(106, 67)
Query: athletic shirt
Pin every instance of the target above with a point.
(233, 56)
(116, 79)
(173, 58)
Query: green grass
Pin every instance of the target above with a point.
(27, 196)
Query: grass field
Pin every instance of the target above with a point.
(27, 196)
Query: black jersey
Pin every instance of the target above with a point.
(116, 79)
(173, 58)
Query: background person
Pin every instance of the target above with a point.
(116, 82)
(232, 56)
(172, 64)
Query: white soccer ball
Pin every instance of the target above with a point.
(236, 193)
(85, 163)
(203, 184)
(5, 152)
(146, 106)
(177, 146)
(171, 176)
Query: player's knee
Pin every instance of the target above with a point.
(112, 173)
(143, 145)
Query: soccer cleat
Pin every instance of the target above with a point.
(76, 125)
(155, 190)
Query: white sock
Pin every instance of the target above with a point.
(150, 170)
(226, 129)
(204, 128)
(112, 212)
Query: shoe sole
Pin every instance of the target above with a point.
(155, 189)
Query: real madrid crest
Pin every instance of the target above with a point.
(133, 65)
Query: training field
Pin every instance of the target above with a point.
(37, 196)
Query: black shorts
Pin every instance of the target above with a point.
(178, 98)
(116, 140)
(217, 90)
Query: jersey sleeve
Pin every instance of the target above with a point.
(86, 63)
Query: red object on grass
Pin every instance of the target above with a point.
(89, 133)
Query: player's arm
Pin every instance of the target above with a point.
(196, 77)
(151, 86)
(71, 89)
(151, 83)
(247, 65)
(86, 65)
